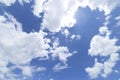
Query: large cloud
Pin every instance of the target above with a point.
(19, 48)
(60, 14)
(103, 5)
(57, 16)
(102, 45)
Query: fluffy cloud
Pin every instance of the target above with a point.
(103, 5)
(24, 1)
(95, 70)
(61, 52)
(103, 69)
(118, 21)
(38, 7)
(103, 45)
(10, 2)
(19, 48)
(16, 44)
(110, 63)
(77, 37)
(57, 16)
(66, 32)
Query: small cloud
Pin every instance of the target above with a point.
(77, 37)
(60, 66)
(66, 32)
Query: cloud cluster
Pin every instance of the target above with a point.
(10, 2)
(16, 44)
(103, 5)
(102, 45)
(19, 48)
(60, 14)
(57, 17)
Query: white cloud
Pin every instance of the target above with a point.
(10, 2)
(107, 20)
(24, 1)
(65, 32)
(118, 21)
(103, 69)
(16, 44)
(95, 70)
(26, 70)
(51, 79)
(61, 52)
(39, 69)
(57, 16)
(60, 66)
(103, 45)
(110, 63)
(77, 37)
(38, 7)
(117, 18)
(19, 48)
(104, 31)
(103, 5)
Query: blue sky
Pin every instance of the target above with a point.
(59, 40)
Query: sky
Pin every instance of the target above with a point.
(59, 40)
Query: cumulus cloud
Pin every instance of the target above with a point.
(57, 17)
(16, 44)
(103, 69)
(77, 37)
(38, 7)
(102, 45)
(61, 52)
(66, 32)
(110, 63)
(95, 70)
(7, 2)
(10, 2)
(103, 5)
(118, 21)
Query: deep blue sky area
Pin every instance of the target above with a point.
(87, 26)
(25, 16)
